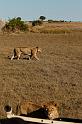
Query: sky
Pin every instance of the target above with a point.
(29, 10)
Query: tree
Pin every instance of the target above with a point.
(42, 18)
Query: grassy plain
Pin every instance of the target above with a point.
(56, 77)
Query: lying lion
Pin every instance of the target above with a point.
(46, 110)
(31, 52)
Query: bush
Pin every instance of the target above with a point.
(55, 21)
(36, 22)
(50, 21)
(15, 24)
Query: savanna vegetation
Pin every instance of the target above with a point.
(40, 25)
(56, 77)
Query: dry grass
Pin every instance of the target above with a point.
(58, 28)
(57, 76)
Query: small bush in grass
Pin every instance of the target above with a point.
(50, 21)
(36, 22)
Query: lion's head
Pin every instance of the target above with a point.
(39, 49)
(51, 110)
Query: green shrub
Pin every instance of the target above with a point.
(36, 22)
(15, 24)
(50, 21)
(55, 21)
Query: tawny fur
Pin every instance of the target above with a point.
(30, 51)
(49, 110)
(25, 107)
(52, 110)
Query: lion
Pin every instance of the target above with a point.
(45, 110)
(30, 51)
(26, 107)
(51, 109)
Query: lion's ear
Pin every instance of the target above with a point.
(55, 104)
(43, 106)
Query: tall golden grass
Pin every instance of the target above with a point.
(58, 28)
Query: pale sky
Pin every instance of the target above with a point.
(33, 9)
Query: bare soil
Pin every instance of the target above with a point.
(56, 77)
